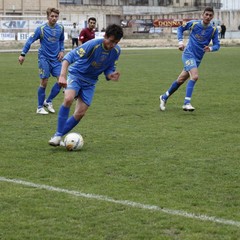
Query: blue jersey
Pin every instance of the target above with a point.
(51, 40)
(89, 60)
(199, 37)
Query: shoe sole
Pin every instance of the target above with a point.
(188, 110)
(53, 144)
(42, 113)
(51, 111)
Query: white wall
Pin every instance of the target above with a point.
(230, 4)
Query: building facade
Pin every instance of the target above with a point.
(114, 11)
(38, 7)
(230, 5)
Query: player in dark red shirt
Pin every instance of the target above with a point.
(88, 33)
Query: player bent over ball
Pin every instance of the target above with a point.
(84, 65)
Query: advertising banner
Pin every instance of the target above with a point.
(22, 36)
(14, 24)
(29, 24)
(169, 22)
(7, 36)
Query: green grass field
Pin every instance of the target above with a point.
(142, 174)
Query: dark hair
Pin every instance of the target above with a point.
(208, 9)
(114, 30)
(92, 19)
(49, 10)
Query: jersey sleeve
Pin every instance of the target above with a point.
(82, 35)
(83, 51)
(113, 65)
(71, 56)
(215, 41)
(182, 28)
(34, 37)
(61, 40)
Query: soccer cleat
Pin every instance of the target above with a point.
(41, 111)
(49, 106)
(162, 103)
(55, 141)
(188, 107)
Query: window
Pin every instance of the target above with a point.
(66, 1)
(138, 2)
(165, 2)
(79, 2)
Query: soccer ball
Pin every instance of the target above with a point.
(73, 141)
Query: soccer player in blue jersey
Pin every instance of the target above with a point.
(84, 65)
(202, 32)
(50, 54)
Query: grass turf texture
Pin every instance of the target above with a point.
(172, 159)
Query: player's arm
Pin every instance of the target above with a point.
(216, 42)
(180, 38)
(80, 52)
(61, 42)
(62, 80)
(81, 37)
(111, 73)
(80, 41)
(114, 76)
(60, 55)
(21, 58)
(68, 59)
(35, 36)
(180, 31)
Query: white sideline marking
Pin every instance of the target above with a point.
(124, 202)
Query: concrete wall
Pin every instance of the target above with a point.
(29, 7)
(112, 14)
(230, 5)
(104, 15)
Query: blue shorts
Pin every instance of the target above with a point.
(83, 89)
(47, 67)
(189, 62)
